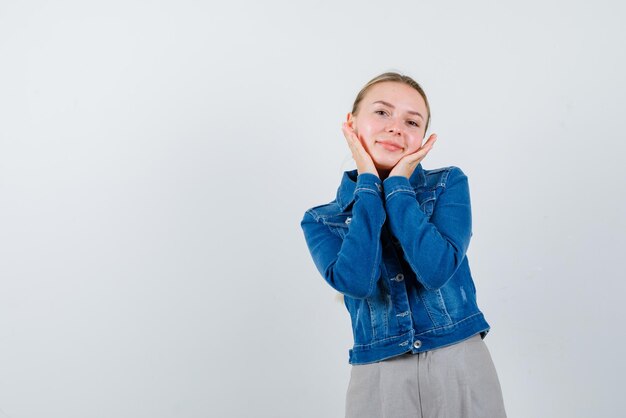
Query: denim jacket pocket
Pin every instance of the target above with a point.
(435, 305)
(380, 311)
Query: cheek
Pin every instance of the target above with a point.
(368, 127)
(362, 129)
(365, 134)
(414, 145)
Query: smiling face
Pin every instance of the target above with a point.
(390, 122)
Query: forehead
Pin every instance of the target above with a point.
(398, 94)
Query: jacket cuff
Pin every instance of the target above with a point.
(369, 183)
(397, 184)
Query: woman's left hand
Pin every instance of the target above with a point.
(407, 164)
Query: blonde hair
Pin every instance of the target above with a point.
(395, 77)
(398, 78)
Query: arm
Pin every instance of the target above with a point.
(352, 265)
(434, 249)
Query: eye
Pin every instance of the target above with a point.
(413, 123)
(380, 112)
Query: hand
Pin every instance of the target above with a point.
(364, 162)
(407, 164)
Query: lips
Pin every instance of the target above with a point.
(390, 145)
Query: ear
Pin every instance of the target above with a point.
(350, 120)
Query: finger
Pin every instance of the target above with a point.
(427, 146)
(354, 138)
(353, 142)
(431, 140)
(348, 132)
(358, 150)
(417, 156)
(344, 130)
(430, 143)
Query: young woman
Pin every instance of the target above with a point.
(393, 242)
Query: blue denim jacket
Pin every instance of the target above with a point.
(396, 250)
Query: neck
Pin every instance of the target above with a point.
(382, 173)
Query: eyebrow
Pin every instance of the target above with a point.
(393, 107)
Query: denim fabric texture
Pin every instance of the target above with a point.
(396, 249)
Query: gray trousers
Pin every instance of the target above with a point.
(457, 381)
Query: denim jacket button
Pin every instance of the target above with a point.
(417, 344)
(399, 277)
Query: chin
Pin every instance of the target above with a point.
(385, 163)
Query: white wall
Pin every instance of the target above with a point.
(156, 159)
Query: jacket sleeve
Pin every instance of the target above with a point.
(351, 265)
(434, 249)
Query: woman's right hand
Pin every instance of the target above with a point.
(364, 162)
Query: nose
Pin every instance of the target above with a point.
(394, 127)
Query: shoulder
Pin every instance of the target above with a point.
(444, 176)
(323, 211)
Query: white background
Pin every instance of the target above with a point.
(156, 159)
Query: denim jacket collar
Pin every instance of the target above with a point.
(345, 192)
